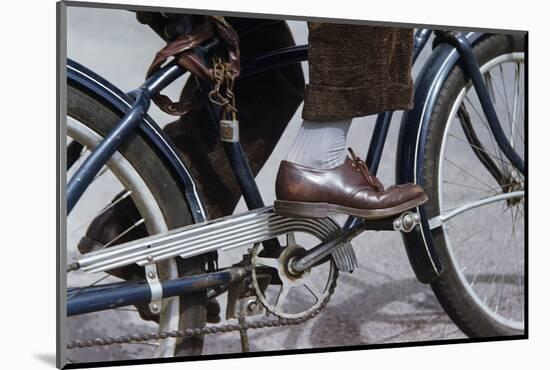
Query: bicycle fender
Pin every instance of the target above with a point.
(89, 82)
(419, 243)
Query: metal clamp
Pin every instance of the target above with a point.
(406, 222)
(152, 276)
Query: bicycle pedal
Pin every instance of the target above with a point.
(406, 222)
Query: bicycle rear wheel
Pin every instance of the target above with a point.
(476, 207)
(133, 196)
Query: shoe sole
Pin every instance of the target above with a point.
(288, 208)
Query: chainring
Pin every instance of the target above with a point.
(291, 281)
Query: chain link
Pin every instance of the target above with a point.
(223, 94)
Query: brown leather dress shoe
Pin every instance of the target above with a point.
(350, 188)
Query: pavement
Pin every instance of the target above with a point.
(380, 302)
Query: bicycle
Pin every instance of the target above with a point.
(171, 275)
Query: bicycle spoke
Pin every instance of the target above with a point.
(104, 209)
(479, 115)
(136, 224)
(497, 153)
(515, 106)
(509, 253)
(521, 114)
(511, 116)
(504, 100)
(488, 246)
(486, 124)
(520, 287)
(464, 185)
(499, 158)
(101, 172)
(505, 94)
(124, 195)
(81, 158)
(490, 88)
(514, 238)
(506, 257)
(468, 173)
(497, 288)
(449, 227)
(89, 286)
(476, 258)
(469, 237)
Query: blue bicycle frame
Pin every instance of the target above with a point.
(452, 48)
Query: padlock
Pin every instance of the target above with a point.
(229, 130)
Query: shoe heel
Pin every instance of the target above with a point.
(300, 209)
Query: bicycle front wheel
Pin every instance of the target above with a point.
(476, 208)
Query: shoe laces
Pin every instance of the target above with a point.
(361, 167)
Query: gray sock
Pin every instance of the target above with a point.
(320, 144)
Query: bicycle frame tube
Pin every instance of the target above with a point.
(109, 296)
(274, 59)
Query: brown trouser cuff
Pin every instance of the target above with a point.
(357, 70)
(327, 103)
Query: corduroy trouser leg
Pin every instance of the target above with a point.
(357, 70)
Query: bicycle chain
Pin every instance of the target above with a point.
(194, 332)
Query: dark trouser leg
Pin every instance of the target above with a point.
(357, 70)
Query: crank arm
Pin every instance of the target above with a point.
(406, 222)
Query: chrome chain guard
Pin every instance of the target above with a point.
(221, 234)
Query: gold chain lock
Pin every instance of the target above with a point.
(223, 95)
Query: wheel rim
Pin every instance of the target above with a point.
(152, 217)
(503, 278)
